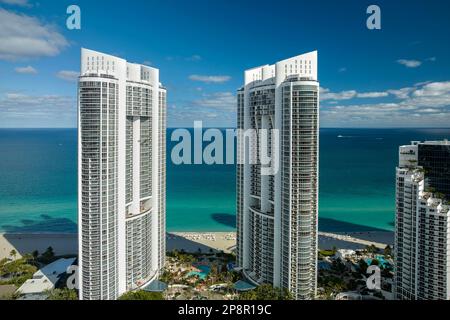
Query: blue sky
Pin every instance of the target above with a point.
(398, 76)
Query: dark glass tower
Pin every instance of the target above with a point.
(422, 222)
(435, 159)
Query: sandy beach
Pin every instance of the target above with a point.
(356, 240)
(62, 243)
(66, 244)
(205, 241)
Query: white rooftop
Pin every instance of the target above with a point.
(46, 278)
(444, 142)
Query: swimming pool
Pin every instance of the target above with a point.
(202, 274)
(382, 262)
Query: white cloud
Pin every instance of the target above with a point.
(215, 110)
(23, 110)
(422, 83)
(209, 79)
(24, 37)
(402, 93)
(225, 101)
(326, 94)
(68, 75)
(428, 110)
(433, 89)
(425, 105)
(343, 69)
(194, 57)
(372, 94)
(410, 63)
(13, 99)
(20, 3)
(26, 70)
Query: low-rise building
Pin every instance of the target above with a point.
(349, 296)
(344, 254)
(46, 278)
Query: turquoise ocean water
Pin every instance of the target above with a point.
(357, 175)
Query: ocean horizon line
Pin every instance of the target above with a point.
(186, 127)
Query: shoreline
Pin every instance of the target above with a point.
(67, 243)
(22, 243)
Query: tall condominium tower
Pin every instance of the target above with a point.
(422, 224)
(121, 175)
(277, 214)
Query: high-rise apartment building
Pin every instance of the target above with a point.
(277, 213)
(422, 224)
(121, 175)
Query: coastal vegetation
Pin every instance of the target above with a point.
(265, 292)
(14, 270)
(17, 271)
(199, 275)
(210, 275)
(371, 249)
(142, 295)
(62, 294)
(388, 251)
(339, 274)
(327, 253)
(48, 256)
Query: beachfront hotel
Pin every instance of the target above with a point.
(277, 213)
(121, 175)
(422, 224)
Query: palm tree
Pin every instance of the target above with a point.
(387, 251)
(28, 257)
(13, 254)
(48, 255)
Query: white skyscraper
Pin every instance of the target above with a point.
(422, 223)
(121, 175)
(277, 214)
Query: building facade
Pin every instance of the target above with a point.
(422, 224)
(277, 212)
(121, 175)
